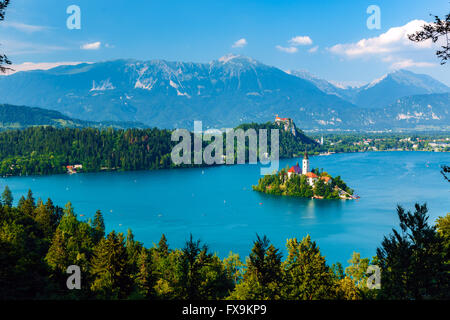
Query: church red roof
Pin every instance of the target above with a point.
(295, 169)
(311, 175)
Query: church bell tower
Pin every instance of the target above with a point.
(305, 167)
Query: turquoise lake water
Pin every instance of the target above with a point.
(218, 206)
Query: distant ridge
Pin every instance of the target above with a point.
(19, 117)
(380, 92)
(398, 84)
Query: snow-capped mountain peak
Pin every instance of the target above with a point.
(376, 81)
(237, 59)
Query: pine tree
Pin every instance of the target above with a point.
(21, 203)
(263, 277)
(98, 226)
(307, 277)
(145, 280)
(29, 204)
(44, 218)
(411, 261)
(163, 247)
(133, 251)
(57, 257)
(7, 197)
(109, 268)
(55, 213)
(190, 266)
(68, 210)
(69, 223)
(265, 261)
(273, 278)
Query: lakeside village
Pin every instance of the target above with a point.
(73, 169)
(359, 142)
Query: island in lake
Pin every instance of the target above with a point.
(301, 182)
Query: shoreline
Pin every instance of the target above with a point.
(208, 166)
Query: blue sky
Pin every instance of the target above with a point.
(326, 38)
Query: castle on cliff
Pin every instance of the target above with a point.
(286, 123)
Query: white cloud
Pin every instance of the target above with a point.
(294, 43)
(27, 66)
(300, 41)
(287, 49)
(393, 40)
(28, 28)
(91, 46)
(240, 43)
(393, 47)
(406, 63)
(313, 49)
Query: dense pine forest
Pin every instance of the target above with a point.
(38, 241)
(48, 150)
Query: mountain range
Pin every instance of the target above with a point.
(226, 92)
(381, 92)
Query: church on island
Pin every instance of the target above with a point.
(301, 180)
(311, 177)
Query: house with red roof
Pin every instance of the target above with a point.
(326, 179)
(311, 177)
(73, 168)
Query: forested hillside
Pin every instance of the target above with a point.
(48, 150)
(290, 145)
(20, 117)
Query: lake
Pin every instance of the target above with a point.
(218, 206)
